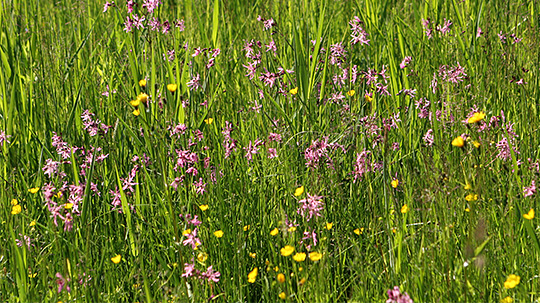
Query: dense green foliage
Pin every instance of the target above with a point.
(99, 189)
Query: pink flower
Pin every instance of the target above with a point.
(191, 239)
(395, 296)
(529, 191)
(311, 207)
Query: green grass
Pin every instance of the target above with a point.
(57, 58)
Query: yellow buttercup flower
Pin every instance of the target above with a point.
(16, 209)
(202, 256)
(302, 281)
(476, 144)
(467, 186)
(287, 250)
(143, 98)
(142, 83)
(209, 120)
(116, 259)
(203, 207)
(68, 206)
(315, 256)
(329, 225)
(294, 91)
(172, 87)
(136, 112)
(299, 257)
(350, 93)
(218, 233)
(14, 202)
(282, 295)
(247, 227)
(507, 300)
(135, 102)
(359, 231)
(368, 97)
(529, 215)
(458, 141)
(292, 229)
(405, 209)
(471, 197)
(394, 183)
(274, 231)
(33, 190)
(252, 276)
(467, 209)
(299, 191)
(281, 278)
(476, 117)
(187, 231)
(33, 223)
(512, 281)
(253, 255)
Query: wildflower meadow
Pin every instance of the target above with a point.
(269, 151)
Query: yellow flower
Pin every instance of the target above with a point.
(253, 255)
(467, 209)
(282, 295)
(135, 102)
(368, 97)
(203, 207)
(68, 206)
(476, 117)
(172, 87)
(14, 202)
(33, 223)
(116, 259)
(350, 93)
(142, 98)
(359, 231)
(281, 278)
(467, 186)
(302, 281)
(274, 231)
(59, 195)
(33, 190)
(218, 233)
(458, 142)
(329, 225)
(292, 229)
(405, 209)
(209, 120)
(394, 183)
(315, 256)
(476, 144)
(276, 269)
(287, 250)
(471, 197)
(136, 112)
(299, 257)
(299, 191)
(142, 83)
(202, 256)
(252, 276)
(16, 209)
(507, 300)
(529, 215)
(294, 91)
(187, 231)
(246, 227)
(512, 281)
